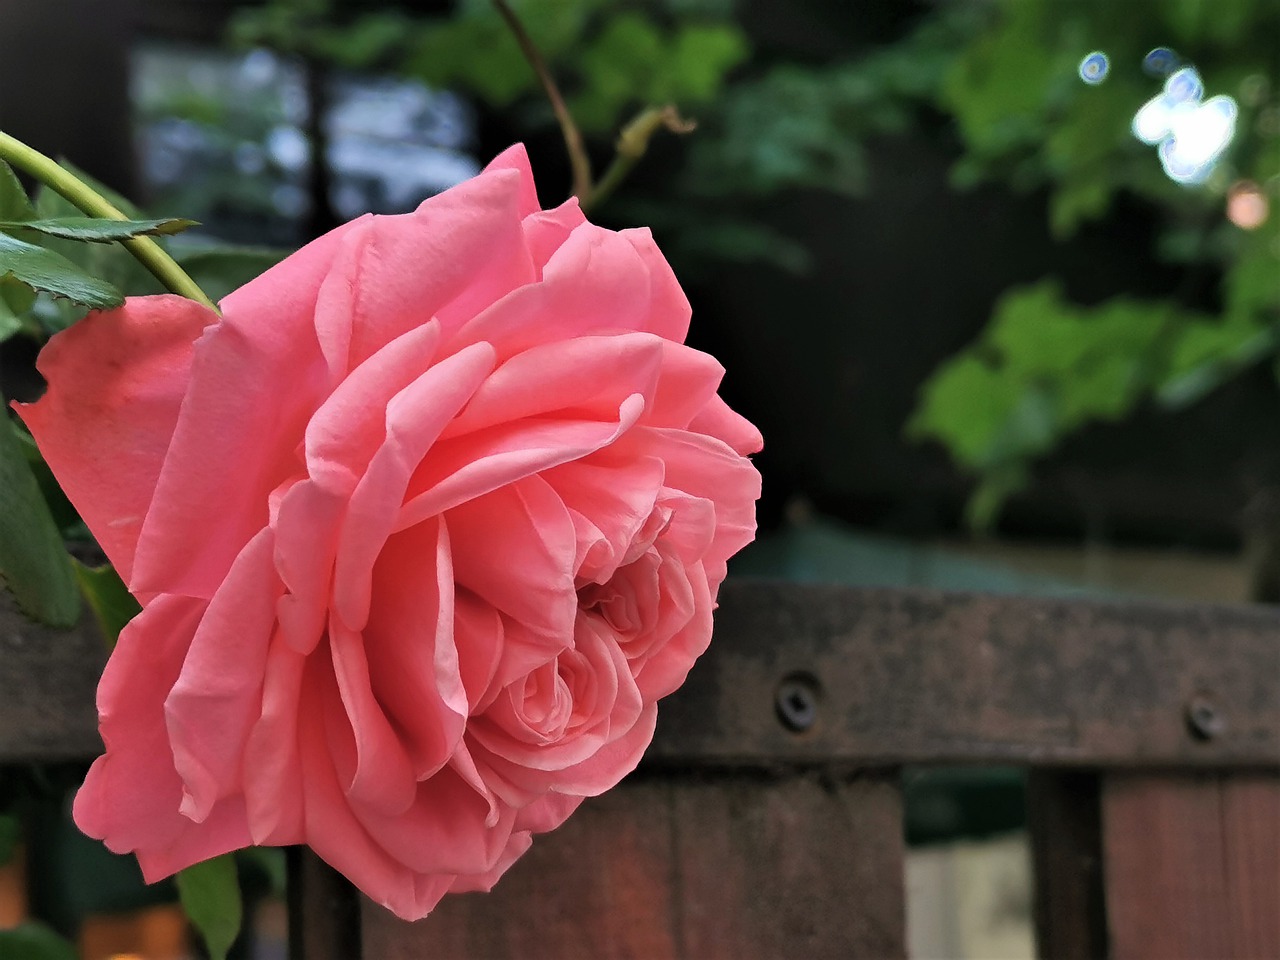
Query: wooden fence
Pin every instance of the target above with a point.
(766, 820)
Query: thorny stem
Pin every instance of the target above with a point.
(578, 158)
(149, 253)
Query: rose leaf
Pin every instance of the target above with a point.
(33, 562)
(14, 203)
(112, 604)
(97, 229)
(53, 273)
(35, 941)
(210, 895)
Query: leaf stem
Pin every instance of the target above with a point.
(149, 253)
(632, 144)
(578, 159)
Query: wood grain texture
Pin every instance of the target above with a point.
(47, 682)
(681, 867)
(1192, 866)
(914, 676)
(1064, 821)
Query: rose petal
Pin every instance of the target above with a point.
(514, 549)
(131, 796)
(334, 832)
(595, 282)
(669, 311)
(345, 433)
(545, 231)
(414, 418)
(379, 775)
(717, 420)
(516, 158)
(260, 368)
(610, 503)
(116, 381)
(272, 774)
(583, 378)
(445, 831)
(459, 252)
(409, 641)
(218, 695)
(468, 467)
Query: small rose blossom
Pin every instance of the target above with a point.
(423, 526)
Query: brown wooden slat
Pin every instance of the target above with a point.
(913, 676)
(324, 910)
(735, 866)
(47, 682)
(902, 676)
(1192, 866)
(1066, 847)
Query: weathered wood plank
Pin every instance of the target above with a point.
(1192, 866)
(324, 910)
(47, 683)
(890, 676)
(913, 676)
(664, 867)
(1066, 848)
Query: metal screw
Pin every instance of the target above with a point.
(1204, 720)
(796, 702)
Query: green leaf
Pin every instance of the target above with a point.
(98, 230)
(34, 941)
(33, 561)
(983, 507)
(16, 300)
(112, 604)
(14, 204)
(110, 262)
(42, 269)
(210, 894)
(965, 405)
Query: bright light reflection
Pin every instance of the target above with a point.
(1190, 136)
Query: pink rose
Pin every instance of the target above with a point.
(423, 526)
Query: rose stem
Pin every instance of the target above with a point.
(578, 158)
(149, 253)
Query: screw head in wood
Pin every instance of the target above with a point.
(796, 702)
(1204, 719)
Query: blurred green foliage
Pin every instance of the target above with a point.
(764, 125)
(1005, 73)
(1046, 367)
(612, 59)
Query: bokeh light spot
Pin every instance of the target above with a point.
(1247, 206)
(1094, 68)
(1160, 62)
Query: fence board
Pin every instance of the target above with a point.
(736, 866)
(1192, 866)
(324, 910)
(47, 681)
(915, 676)
(1064, 820)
